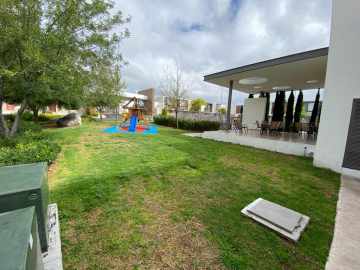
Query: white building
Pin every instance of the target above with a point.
(334, 69)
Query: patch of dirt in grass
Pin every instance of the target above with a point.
(94, 215)
(229, 161)
(53, 168)
(256, 168)
(179, 245)
(165, 243)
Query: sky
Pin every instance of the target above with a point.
(207, 36)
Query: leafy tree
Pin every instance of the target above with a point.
(279, 106)
(105, 89)
(267, 108)
(289, 112)
(298, 110)
(48, 48)
(173, 87)
(222, 111)
(197, 103)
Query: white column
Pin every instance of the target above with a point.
(342, 85)
(228, 112)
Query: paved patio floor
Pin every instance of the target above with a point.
(285, 143)
(345, 248)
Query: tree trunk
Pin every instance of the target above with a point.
(4, 130)
(15, 125)
(176, 113)
(35, 111)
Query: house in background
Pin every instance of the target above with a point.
(334, 69)
(54, 109)
(9, 108)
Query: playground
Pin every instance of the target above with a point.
(134, 121)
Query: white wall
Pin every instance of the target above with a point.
(254, 110)
(342, 85)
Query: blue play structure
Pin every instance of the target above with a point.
(132, 125)
(151, 130)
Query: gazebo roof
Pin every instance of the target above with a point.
(306, 70)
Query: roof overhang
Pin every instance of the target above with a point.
(306, 70)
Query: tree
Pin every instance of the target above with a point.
(105, 89)
(48, 48)
(289, 112)
(174, 88)
(315, 111)
(278, 114)
(196, 104)
(222, 111)
(298, 110)
(267, 108)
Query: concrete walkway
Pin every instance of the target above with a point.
(345, 248)
(292, 145)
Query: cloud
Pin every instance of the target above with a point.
(207, 36)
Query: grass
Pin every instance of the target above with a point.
(169, 201)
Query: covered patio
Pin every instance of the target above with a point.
(281, 130)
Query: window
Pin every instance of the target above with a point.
(310, 107)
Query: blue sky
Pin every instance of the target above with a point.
(206, 36)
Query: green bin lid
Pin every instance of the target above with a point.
(23, 177)
(15, 235)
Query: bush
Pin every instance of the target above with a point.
(27, 116)
(194, 125)
(29, 146)
(45, 117)
(35, 151)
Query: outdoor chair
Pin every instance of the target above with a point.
(259, 127)
(239, 127)
(303, 128)
(275, 128)
(265, 127)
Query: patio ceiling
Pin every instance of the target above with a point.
(304, 71)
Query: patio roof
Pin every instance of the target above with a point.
(306, 70)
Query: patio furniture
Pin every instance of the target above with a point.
(265, 127)
(259, 127)
(275, 128)
(237, 126)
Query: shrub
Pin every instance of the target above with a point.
(29, 146)
(45, 117)
(29, 152)
(194, 125)
(27, 116)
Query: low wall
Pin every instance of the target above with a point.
(214, 117)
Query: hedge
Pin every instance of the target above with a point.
(193, 125)
(29, 146)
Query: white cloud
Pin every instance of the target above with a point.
(207, 36)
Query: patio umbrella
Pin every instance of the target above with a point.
(315, 110)
(289, 112)
(298, 108)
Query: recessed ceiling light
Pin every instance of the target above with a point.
(253, 80)
(312, 81)
(281, 87)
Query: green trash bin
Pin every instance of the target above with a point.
(23, 186)
(19, 240)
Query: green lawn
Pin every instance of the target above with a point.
(168, 201)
